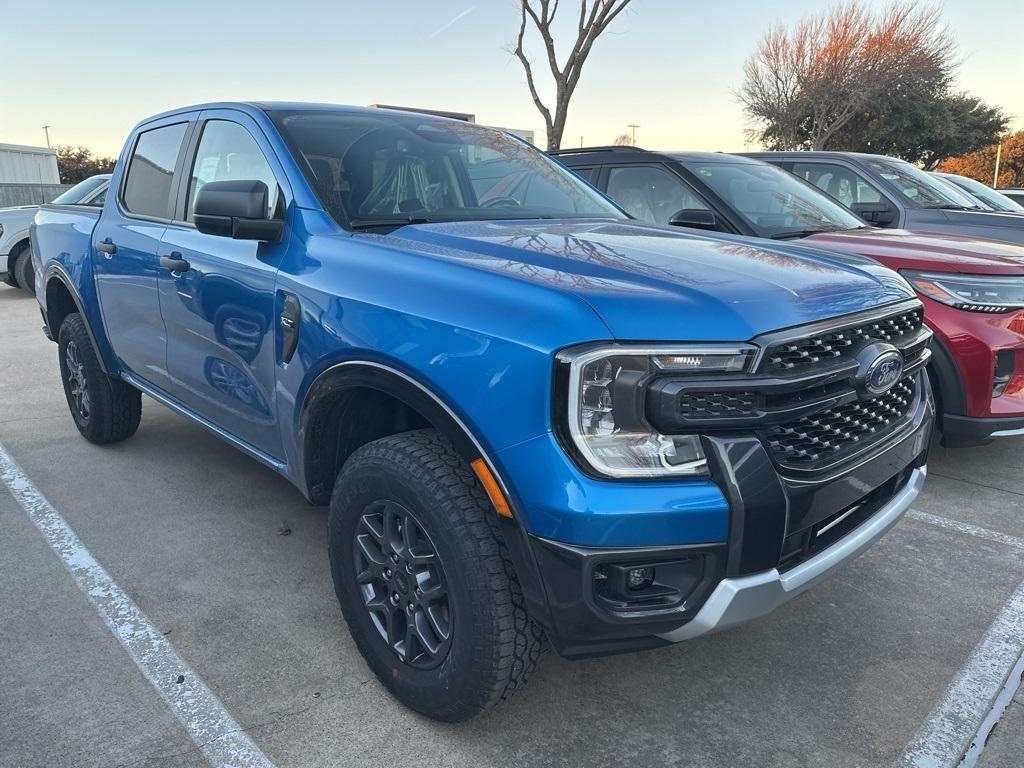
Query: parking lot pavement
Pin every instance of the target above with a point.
(225, 557)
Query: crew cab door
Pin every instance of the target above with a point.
(126, 240)
(219, 304)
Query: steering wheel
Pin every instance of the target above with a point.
(502, 202)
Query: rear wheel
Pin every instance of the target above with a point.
(428, 592)
(105, 409)
(24, 272)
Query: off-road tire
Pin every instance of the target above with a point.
(495, 645)
(24, 272)
(114, 406)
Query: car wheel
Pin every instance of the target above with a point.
(24, 271)
(105, 409)
(429, 594)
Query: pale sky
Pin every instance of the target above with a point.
(91, 70)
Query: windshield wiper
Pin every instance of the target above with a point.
(952, 207)
(794, 234)
(393, 222)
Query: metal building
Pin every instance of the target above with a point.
(28, 175)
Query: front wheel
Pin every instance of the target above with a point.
(428, 592)
(105, 409)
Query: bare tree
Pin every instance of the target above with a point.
(594, 18)
(803, 85)
(623, 140)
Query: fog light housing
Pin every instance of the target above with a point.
(639, 578)
(1003, 371)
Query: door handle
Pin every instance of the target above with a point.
(174, 262)
(107, 246)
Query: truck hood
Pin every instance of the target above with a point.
(900, 249)
(658, 284)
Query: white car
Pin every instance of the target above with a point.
(15, 257)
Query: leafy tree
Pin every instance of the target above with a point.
(981, 163)
(922, 127)
(594, 18)
(76, 164)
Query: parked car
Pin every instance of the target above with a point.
(529, 415)
(1017, 195)
(15, 255)
(993, 199)
(973, 290)
(893, 193)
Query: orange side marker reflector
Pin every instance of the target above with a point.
(490, 485)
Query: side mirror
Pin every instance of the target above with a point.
(236, 209)
(875, 213)
(697, 218)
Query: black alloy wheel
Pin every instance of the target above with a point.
(403, 584)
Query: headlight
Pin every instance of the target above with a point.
(974, 293)
(606, 396)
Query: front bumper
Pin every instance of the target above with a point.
(738, 600)
(784, 534)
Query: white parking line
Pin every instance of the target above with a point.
(967, 528)
(968, 703)
(221, 740)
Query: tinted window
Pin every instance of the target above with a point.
(995, 200)
(650, 193)
(388, 166)
(147, 189)
(227, 152)
(845, 185)
(917, 186)
(773, 202)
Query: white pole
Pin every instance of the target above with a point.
(995, 175)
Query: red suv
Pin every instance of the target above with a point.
(973, 290)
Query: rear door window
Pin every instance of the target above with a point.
(149, 182)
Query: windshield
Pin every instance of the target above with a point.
(773, 202)
(375, 169)
(81, 191)
(918, 187)
(987, 195)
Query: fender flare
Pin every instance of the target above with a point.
(945, 376)
(56, 272)
(352, 374)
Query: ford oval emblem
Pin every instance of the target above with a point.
(883, 372)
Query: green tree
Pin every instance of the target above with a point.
(76, 164)
(922, 126)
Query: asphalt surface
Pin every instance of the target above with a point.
(229, 564)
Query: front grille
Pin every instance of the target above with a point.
(829, 435)
(716, 405)
(836, 344)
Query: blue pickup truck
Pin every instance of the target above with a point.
(533, 418)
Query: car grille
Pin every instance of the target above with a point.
(832, 434)
(836, 344)
(716, 405)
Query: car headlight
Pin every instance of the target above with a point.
(606, 397)
(974, 293)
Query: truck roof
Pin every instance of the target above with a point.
(252, 107)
